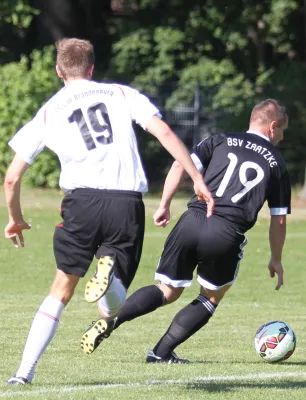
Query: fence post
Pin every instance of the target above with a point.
(196, 115)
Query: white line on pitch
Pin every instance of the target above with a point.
(215, 379)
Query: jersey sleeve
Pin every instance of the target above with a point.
(202, 153)
(141, 108)
(28, 141)
(279, 200)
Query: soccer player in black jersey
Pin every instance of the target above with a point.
(242, 171)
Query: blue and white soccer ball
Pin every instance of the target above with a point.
(275, 341)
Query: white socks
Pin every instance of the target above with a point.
(46, 320)
(111, 303)
(41, 333)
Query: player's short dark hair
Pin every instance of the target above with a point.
(267, 111)
(74, 57)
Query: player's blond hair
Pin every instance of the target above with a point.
(267, 111)
(74, 57)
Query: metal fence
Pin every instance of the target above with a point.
(191, 121)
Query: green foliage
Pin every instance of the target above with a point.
(275, 23)
(177, 36)
(134, 45)
(210, 73)
(17, 12)
(236, 52)
(16, 17)
(24, 90)
(285, 85)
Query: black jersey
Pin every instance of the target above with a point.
(242, 171)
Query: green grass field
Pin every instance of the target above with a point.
(225, 364)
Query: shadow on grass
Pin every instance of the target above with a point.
(280, 364)
(234, 386)
(293, 363)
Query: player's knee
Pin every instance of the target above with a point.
(215, 296)
(62, 294)
(63, 286)
(171, 293)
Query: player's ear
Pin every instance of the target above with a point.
(60, 75)
(272, 134)
(90, 71)
(273, 126)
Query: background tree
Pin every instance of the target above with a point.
(236, 53)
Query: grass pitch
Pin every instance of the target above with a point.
(224, 362)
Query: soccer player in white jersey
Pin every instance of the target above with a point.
(89, 126)
(242, 170)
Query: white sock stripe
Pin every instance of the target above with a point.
(47, 315)
(207, 303)
(52, 306)
(41, 333)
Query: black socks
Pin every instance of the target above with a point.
(186, 322)
(141, 302)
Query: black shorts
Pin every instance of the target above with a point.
(99, 223)
(209, 243)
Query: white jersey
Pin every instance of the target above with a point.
(89, 126)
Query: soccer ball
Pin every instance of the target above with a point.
(275, 341)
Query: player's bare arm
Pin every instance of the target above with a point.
(178, 150)
(172, 183)
(277, 236)
(12, 184)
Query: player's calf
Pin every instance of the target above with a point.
(185, 323)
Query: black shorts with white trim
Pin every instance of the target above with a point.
(212, 245)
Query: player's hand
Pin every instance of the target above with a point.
(13, 230)
(275, 267)
(162, 217)
(204, 194)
